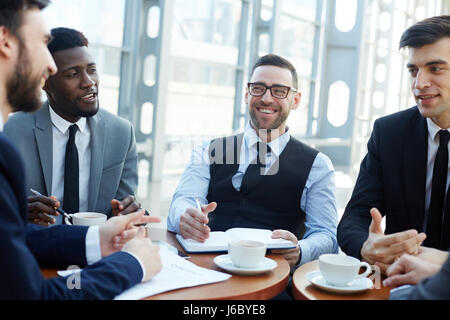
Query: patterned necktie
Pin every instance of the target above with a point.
(438, 189)
(71, 181)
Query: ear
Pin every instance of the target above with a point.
(296, 100)
(45, 87)
(7, 43)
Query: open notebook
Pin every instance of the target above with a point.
(218, 240)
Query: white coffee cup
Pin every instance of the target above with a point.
(86, 219)
(246, 253)
(340, 270)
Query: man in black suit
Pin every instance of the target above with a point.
(25, 64)
(404, 175)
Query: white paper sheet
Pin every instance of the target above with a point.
(176, 273)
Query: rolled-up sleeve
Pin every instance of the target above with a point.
(319, 202)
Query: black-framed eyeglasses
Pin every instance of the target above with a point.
(257, 89)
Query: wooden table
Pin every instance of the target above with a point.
(302, 289)
(259, 287)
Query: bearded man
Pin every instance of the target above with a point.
(262, 178)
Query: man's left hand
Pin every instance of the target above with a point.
(124, 207)
(117, 231)
(291, 255)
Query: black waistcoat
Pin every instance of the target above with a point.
(274, 203)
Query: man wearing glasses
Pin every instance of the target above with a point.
(262, 178)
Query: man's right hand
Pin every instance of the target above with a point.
(39, 207)
(193, 223)
(385, 249)
(147, 253)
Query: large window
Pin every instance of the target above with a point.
(384, 82)
(201, 90)
(295, 40)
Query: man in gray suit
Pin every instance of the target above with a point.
(79, 154)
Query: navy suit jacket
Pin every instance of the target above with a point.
(392, 178)
(24, 249)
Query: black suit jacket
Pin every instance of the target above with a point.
(23, 248)
(391, 178)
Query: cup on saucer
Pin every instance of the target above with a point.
(340, 270)
(246, 253)
(86, 219)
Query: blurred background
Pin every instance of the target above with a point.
(177, 70)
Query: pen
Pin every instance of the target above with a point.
(199, 207)
(61, 211)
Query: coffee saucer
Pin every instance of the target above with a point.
(224, 261)
(357, 285)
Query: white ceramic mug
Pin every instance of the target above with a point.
(340, 270)
(86, 219)
(246, 253)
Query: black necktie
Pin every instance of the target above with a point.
(438, 188)
(255, 171)
(71, 180)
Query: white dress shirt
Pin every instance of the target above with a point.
(433, 145)
(318, 197)
(60, 129)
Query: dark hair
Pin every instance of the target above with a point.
(65, 38)
(426, 32)
(277, 61)
(11, 10)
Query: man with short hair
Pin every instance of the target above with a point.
(262, 178)
(100, 165)
(405, 174)
(26, 63)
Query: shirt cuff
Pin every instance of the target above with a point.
(305, 252)
(140, 263)
(93, 250)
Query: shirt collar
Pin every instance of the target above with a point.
(1, 122)
(433, 129)
(277, 146)
(63, 125)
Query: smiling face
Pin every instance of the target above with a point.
(266, 112)
(34, 64)
(73, 91)
(429, 68)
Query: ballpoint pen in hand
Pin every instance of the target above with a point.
(199, 207)
(60, 211)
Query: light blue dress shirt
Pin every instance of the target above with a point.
(318, 198)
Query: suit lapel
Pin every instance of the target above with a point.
(98, 131)
(415, 142)
(44, 140)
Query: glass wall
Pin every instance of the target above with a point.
(295, 39)
(201, 89)
(384, 81)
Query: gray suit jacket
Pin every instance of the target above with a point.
(113, 172)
